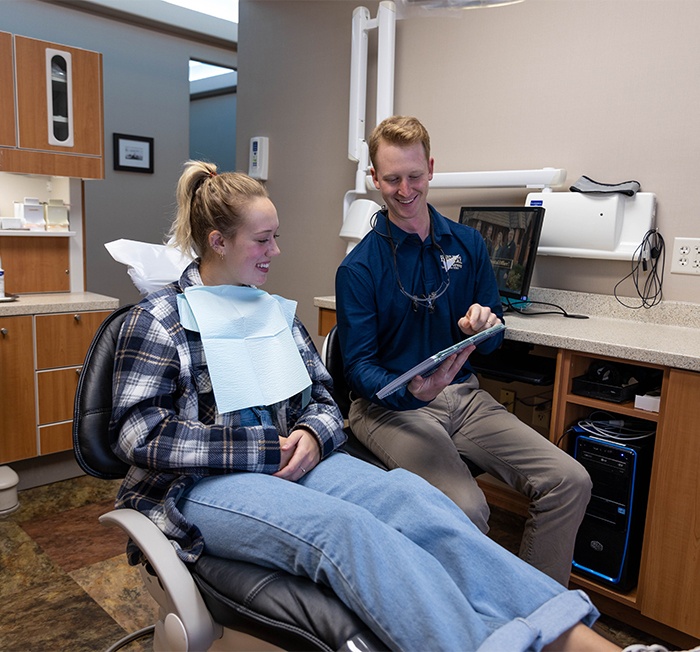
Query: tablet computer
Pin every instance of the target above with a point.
(430, 365)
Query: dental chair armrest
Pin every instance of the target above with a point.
(199, 630)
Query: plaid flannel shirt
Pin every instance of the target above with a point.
(166, 426)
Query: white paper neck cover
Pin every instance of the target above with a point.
(247, 338)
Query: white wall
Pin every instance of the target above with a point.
(15, 187)
(605, 88)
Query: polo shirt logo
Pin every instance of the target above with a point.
(451, 261)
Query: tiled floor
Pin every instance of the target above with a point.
(65, 583)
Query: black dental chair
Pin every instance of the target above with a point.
(204, 604)
(341, 395)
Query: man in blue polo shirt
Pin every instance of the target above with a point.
(416, 284)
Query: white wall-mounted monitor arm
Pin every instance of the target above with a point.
(385, 24)
(544, 179)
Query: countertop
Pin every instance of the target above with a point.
(667, 334)
(38, 304)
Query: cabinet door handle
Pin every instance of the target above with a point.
(3, 331)
(76, 317)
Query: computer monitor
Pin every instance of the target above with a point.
(511, 234)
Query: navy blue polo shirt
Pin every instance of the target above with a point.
(382, 334)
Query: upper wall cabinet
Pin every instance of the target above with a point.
(58, 94)
(7, 93)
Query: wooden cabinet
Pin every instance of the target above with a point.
(17, 420)
(7, 85)
(56, 390)
(668, 587)
(59, 98)
(663, 601)
(43, 352)
(326, 321)
(62, 341)
(36, 263)
(58, 93)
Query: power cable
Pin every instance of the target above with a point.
(646, 257)
(607, 426)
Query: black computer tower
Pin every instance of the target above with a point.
(609, 541)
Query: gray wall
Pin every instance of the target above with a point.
(146, 93)
(605, 88)
(294, 90)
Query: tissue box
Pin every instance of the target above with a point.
(31, 212)
(56, 215)
(10, 223)
(649, 402)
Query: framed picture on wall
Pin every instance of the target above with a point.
(133, 153)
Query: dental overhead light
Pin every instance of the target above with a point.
(356, 217)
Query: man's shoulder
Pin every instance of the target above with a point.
(461, 232)
(448, 224)
(363, 253)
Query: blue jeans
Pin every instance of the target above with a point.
(394, 549)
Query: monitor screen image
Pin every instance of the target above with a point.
(511, 234)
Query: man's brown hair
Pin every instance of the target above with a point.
(399, 130)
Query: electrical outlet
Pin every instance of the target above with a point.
(508, 400)
(541, 418)
(686, 256)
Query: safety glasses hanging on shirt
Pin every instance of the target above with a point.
(425, 300)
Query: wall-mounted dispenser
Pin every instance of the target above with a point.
(258, 157)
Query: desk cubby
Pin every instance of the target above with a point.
(570, 407)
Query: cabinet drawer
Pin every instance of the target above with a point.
(62, 340)
(56, 438)
(57, 394)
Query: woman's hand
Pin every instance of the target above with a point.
(478, 318)
(426, 389)
(299, 454)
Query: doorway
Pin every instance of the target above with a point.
(213, 114)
